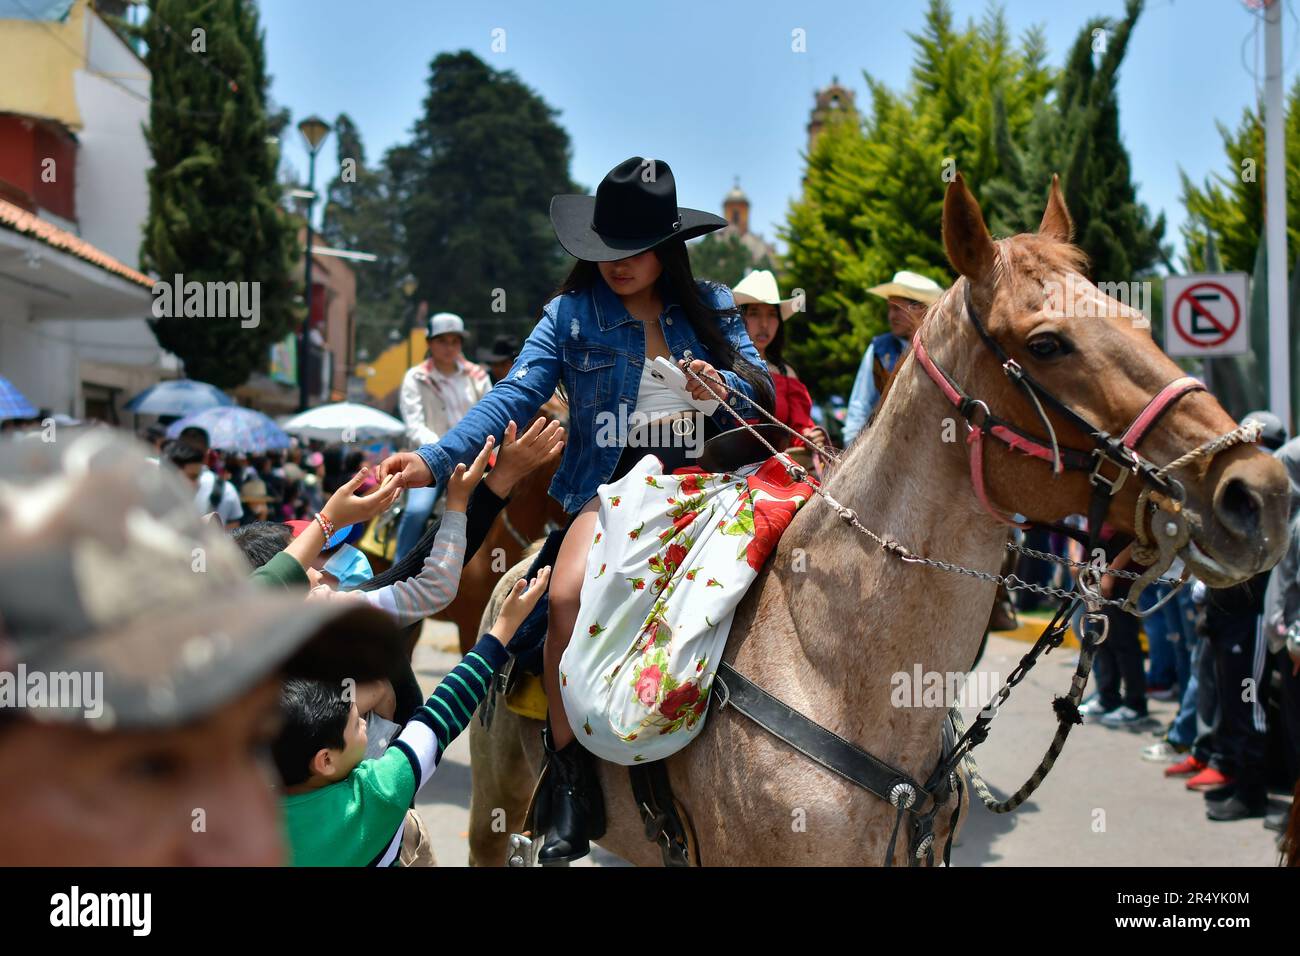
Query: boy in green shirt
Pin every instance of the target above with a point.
(342, 810)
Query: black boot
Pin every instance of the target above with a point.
(575, 812)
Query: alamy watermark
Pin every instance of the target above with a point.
(1078, 298)
(22, 689)
(946, 689)
(635, 429)
(208, 300)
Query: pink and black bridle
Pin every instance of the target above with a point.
(1120, 450)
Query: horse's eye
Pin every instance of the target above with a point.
(1046, 346)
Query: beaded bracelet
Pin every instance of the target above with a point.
(326, 525)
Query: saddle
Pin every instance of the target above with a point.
(519, 684)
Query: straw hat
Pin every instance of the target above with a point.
(909, 285)
(759, 287)
(254, 492)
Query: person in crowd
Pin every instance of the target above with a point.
(256, 501)
(765, 313)
(1282, 628)
(908, 295)
(1120, 699)
(212, 493)
(631, 297)
(145, 754)
(499, 358)
(435, 395)
(341, 809)
(1234, 625)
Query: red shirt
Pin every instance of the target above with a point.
(793, 404)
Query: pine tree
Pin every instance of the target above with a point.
(476, 185)
(1076, 135)
(873, 190)
(214, 213)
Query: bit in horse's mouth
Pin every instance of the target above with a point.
(1206, 567)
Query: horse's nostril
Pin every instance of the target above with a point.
(1238, 508)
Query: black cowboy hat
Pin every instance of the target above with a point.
(505, 348)
(634, 209)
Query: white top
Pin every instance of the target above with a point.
(655, 399)
(228, 507)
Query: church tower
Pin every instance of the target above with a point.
(828, 102)
(735, 208)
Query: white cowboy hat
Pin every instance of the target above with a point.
(760, 287)
(909, 285)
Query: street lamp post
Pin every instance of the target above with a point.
(313, 130)
(409, 285)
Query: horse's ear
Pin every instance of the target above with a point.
(965, 237)
(1056, 222)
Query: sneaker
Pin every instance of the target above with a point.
(1092, 707)
(1122, 717)
(1185, 768)
(1208, 779)
(1160, 693)
(1219, 794)
(1236, 807)
(1163, 752)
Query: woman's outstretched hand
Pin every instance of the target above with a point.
(409, 468)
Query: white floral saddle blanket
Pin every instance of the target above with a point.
(671, 558)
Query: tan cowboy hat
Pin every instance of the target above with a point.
(760, 287)
(909, 285)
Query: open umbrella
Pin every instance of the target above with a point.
(234, 428)
(13, 404)
(181, 396)
(344, 422)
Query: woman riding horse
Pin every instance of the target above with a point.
(631, 298)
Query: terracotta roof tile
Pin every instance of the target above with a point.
(30, 224)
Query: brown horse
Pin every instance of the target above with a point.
(832, 617)
(525, 518)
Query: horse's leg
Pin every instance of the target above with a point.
(566, 591)
(501, 783)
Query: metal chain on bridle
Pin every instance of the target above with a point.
(1095, 625)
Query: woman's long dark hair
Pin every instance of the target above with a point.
(677, 284)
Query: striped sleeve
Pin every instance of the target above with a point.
(435, 586)
(447, 712)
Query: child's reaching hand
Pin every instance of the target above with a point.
(537, 448)
(345, 507)
(463, 480)
(523, 598)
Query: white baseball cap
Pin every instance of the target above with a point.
(444, 322)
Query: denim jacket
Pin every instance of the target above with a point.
(590, 342)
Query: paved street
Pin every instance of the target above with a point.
(1101, 806)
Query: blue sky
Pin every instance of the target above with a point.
(714, 88)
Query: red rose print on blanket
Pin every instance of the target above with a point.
(647, 685)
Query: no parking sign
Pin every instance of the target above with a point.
(1205, 314)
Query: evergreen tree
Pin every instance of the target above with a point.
(724, 257)
(476, 185)
(1230, 206)
(214, 213)
(1076, 134)
(362, 214)
(873, 190)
